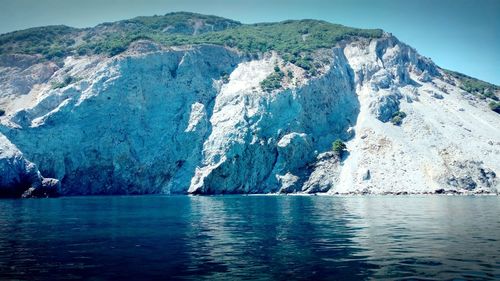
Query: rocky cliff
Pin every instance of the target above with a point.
(200, 118)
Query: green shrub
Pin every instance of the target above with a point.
(66, 81)
(397, 118)
(273, 81)
(50, 41)
(495, 106)
(339, 147)
(475, 86)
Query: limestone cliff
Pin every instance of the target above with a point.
(196, 119)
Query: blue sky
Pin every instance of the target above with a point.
(462, 35)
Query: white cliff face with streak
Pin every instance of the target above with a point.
(158, 120)
(127, 124)
(263, 142)
(447, 140)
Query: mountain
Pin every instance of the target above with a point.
(189, 103)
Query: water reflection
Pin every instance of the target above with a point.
(435, 237)
(271, 238)
(250, 237)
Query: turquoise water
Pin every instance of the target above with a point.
(250, 238)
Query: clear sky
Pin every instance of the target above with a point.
(462, 35)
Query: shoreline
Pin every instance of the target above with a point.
(457, 194)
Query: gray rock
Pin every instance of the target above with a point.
(386, 105)
(425, 77)
(440, 191)
(471, 175)
(288, 183)
(437, 96)
(324, 174)
(49, 188)
(366, 175)
(467, 182)
(487, 177)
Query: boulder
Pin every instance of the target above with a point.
(50, 188)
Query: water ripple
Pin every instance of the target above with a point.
(250, 238)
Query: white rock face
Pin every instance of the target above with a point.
(325, 174)
(417, 156)
(257, 137)
(129, 124)
(156, 120)
(19, 175)
(15, 170)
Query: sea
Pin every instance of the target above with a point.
(237, 237)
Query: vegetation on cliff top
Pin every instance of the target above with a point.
(49, 41)
(294, 40)
(475, 86)
(481, 89)
(273, 81)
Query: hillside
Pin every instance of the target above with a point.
(174, 29)
(189, 103)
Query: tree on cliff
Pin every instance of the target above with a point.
(338, 147)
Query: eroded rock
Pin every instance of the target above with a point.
(18, 175)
